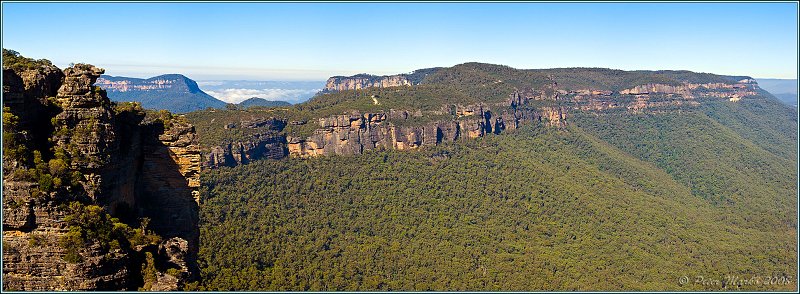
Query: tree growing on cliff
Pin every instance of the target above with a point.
(91, 224)
(149, 272)
(13, 60)
(13, 141)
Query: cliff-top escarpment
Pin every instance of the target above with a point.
(362, 81)
(93, 192)
(361, 131)
(363, 112)
(174, 92)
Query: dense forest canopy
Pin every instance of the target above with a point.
(612, 202)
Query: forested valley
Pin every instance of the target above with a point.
(610, 202)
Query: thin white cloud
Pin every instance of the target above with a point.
(209, 83)
(235, 95)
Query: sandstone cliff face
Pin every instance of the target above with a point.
(167, 185)
(658, 97)
(689, 90)
(32, 257)
(122, 168)
(358, 82)
(42, 82)
(174, 82)
(85, 127)
(27, 94)
(682, 90)
(128, 85)
(267, 143)
(356, 133)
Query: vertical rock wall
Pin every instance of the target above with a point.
(129, 167)
(356, 133)
(358, 82)
(168, 182)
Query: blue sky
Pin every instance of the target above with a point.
(312, 41)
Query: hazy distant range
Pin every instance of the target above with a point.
(234, 91)
(238, 91)
(783, 89)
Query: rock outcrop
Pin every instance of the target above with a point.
(356, 133)
(735, 91)
(363, 81)
(38, 265)
(120, 84)
(26, 94)
(269, 145)
(87, 151)
(658, 97)
(267, 142)
(168, 182)
(682, 90)
(85, 128)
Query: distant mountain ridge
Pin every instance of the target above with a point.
(256, 101)
(174, 92)
(784, 89)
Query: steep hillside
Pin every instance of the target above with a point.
(764, 121)
(173, 92)
(714, 161)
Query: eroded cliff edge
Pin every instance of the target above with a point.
(363, 81)
(96, 195)
(500, 106)
(359, 132)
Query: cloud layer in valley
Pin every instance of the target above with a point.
(239, 95)
(238, 91)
